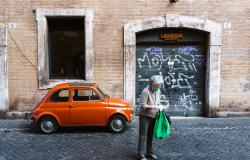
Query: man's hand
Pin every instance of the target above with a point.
(150, 106)
(160, 107)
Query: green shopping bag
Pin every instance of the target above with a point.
(162, 126)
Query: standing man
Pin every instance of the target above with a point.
(149, 102)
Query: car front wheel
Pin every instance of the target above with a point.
(117, 124)
(48, 125)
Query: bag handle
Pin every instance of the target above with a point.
(154, 100)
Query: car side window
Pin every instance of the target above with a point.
(94, 96)
(85, 95)
(60, 96)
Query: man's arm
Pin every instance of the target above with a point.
(144, 100)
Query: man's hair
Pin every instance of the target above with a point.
(156, 79)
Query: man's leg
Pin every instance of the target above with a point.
(143, 126)
(150, 132)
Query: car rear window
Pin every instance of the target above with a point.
(60, 96)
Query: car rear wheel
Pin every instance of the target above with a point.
(48, 125)
(117, 124)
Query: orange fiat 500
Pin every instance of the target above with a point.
(80, 104)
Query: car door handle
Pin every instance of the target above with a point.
(70, 106)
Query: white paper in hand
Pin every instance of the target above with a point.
(155, 106)
(160, 107)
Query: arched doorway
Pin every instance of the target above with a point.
(179, 56)
(175, 21)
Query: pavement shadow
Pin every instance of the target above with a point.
(31, 129)
(132, 156)
(85, 129)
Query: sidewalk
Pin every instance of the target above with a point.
(191, 138)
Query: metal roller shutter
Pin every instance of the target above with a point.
(182, 67)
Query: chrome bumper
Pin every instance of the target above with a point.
(31, 118)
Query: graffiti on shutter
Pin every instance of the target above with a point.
(182, 68)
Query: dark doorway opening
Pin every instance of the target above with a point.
(66, 48)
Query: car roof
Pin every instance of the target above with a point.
(74, 84)
(82, 84)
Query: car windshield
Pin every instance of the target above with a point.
(102, 93)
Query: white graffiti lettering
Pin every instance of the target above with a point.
(187, 100)
(181, 82)
(178, 67)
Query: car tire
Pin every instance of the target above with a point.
(117, 124)
(48, 125)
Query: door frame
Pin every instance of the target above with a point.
(80, 103)
(212, 88)
(4, 90)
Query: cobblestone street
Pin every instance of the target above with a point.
(191, 138)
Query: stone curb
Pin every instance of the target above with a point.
(24, 115)
(14, 115)
(232, 114)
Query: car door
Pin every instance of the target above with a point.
(58, 105)
(87, 107)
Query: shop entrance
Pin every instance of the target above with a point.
(179, 56)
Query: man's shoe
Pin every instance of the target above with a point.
(152, 156)
(141, 157)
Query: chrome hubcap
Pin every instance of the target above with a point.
(47, 126)
(117, 124)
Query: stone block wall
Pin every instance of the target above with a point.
(110, 16)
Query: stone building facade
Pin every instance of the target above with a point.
(201, 49)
